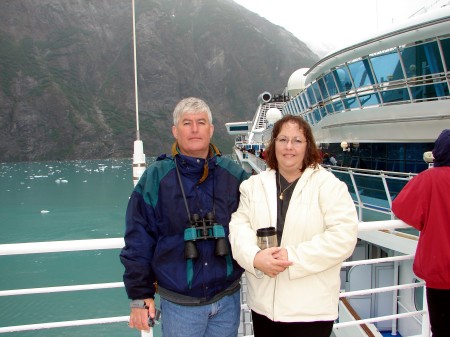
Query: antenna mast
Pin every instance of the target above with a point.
(138, 155)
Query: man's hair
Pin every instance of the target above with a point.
(190, 105)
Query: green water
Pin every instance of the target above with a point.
(84, 200)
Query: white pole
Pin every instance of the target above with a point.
(147, 333)
(426, 330)
(135, 74)
(138, 154)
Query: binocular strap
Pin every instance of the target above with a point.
(189, 272)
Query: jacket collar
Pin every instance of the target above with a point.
(212, 153)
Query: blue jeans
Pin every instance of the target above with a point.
(219, 319)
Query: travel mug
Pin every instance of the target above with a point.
(267, 237)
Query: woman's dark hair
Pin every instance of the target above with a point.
(312, 154)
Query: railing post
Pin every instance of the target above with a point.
(147, 333)
(395, 298)
(355, 187)
(425, 317)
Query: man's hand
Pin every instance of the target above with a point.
(139, 316)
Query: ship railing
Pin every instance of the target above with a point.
(372, 190)
(257, 164)
(374, 232)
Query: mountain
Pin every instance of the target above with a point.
(67, 72)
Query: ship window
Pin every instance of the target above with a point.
(396, 95)
(361, 73)
(317, 91)
(351, 103)
(422, 60)
(329, 81)
(317, 116)
(338, 106)
(342, 78)
(304, 100)
(429, 91)
(329, 108)
(239, 128)
(323, 89)
(309, 118)
(310, 95)
(298, 101)
(369, 99)
(446, 50)
(294, 106)
(387, 67)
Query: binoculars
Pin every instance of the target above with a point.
(204, 229)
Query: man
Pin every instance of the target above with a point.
(177, 234)
(424, 204)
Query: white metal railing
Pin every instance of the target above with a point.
(387, 228)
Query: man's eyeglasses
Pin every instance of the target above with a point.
(295, 141)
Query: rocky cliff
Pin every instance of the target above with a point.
(67, 72)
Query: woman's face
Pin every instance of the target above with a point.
(290, 148)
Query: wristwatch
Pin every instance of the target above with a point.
(138, 304)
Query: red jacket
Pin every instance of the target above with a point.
(424, 203)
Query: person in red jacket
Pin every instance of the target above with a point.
(424, 203)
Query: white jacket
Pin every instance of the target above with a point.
(320, 232)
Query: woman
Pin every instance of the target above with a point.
(293, 289)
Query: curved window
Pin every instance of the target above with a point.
(445, 43)
(331, 86)
(421, 60)
(396, 95)
(351, 103)
(317, 116)
(317, 91)
(311, 98)
(402, 74)
(429, 91)
(309, 119)
(329, 108)
(361, 73)
(297, 105)
(369, 99)
(304, 100)
(387, 67)
(323, 89)
(338, 106)
(342, 78)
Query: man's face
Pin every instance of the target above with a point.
(193, 134)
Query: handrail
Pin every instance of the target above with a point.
(116, 243)
(60, 246)
(47, 290)
(64, 324)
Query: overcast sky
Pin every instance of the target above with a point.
(325, 25)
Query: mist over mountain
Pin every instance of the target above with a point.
(67, 72)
